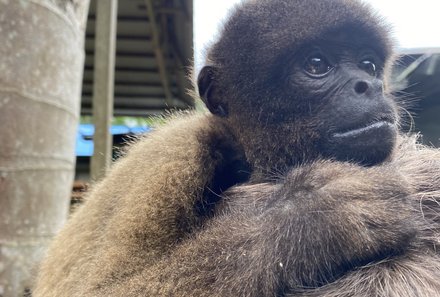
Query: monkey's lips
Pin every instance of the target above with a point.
(368, 144)
(375, 128)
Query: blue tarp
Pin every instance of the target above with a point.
(84, 136)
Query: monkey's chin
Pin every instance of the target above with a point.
(367, 145)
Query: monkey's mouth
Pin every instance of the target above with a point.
(375, 127)
(367, 144)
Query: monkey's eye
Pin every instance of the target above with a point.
(368, 66)
(317, 65)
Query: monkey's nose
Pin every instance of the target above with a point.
(361, 87)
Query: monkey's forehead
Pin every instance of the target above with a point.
(267, 27)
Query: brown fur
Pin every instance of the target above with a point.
(163, 178)
(325, 228)
(239, 251)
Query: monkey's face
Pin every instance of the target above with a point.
(293, 89)
(326, 99)
(338, 85)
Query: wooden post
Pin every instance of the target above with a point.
(103, 85)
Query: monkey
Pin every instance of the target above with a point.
(240, 252)
(298, 90)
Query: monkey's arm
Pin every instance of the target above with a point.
(416, 271)
(148, 202)
(319, 226)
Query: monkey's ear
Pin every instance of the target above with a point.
(209, 93)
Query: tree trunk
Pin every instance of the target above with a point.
(41, 64)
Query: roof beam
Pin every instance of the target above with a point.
(158, 52)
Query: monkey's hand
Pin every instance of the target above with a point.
(421, 167)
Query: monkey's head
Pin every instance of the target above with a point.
(300, 79)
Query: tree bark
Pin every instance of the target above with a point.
(41, 65)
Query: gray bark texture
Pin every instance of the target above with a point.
(41, 64)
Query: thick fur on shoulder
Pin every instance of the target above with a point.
(144, 206)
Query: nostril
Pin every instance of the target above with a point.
(361, 87)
